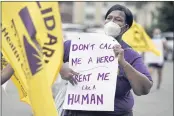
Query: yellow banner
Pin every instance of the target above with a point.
(138, 39)
(27, 29)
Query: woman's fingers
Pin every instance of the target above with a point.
(116, 51)
(72, 80)
(74, 73)
(69, 75)
(116, 46)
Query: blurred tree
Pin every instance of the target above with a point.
(138, 4)
(166, 16)
(141, 4)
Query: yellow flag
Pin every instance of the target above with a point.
(10, 50)
(138, 39)
(25, 26)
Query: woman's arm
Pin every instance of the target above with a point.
(65, 72)
(140, 83)
(7, 72)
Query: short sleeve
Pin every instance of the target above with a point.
(67, 45)
(139, 65)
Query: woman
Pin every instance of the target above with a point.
(158, 66)
(133, 74)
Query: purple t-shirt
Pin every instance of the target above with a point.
(123, 97)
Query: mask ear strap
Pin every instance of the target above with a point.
(122, 29)
(126, 26)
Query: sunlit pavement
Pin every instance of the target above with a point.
(157, 102)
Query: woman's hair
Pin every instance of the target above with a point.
(128, 13)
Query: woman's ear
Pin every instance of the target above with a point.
(126, 27)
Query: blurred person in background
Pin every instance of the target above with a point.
(6, 73)
(133, 73)
(158, 66)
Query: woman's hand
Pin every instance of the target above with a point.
(119, 52)
(67, 74)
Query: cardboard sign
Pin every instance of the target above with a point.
(92, 56)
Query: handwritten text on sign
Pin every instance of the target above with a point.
(94, 59)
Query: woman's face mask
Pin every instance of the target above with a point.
(112, 29)
(157, 36)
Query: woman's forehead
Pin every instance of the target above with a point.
(117, 13)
